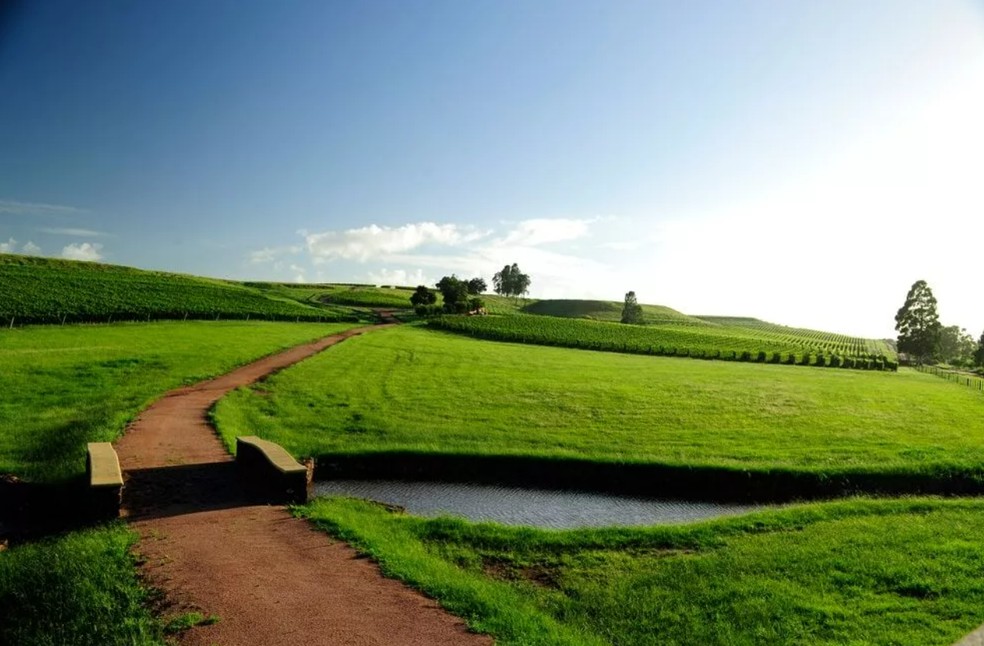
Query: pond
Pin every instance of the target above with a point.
(546, 508)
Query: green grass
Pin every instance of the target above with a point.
(64, 386)
(45, 290)
(697, 341)
(413, 389)
(77, 589)
(858, 572)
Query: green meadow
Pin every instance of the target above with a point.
(414, 389)
(64, 386)
(860, 571)
(903, 572)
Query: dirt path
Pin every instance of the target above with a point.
(268, 577)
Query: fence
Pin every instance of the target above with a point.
(976, 383)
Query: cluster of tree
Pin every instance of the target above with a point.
(924, 339)
(511, 281)
(459, 296)
(631, 310)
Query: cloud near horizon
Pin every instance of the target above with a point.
(82, 251)
(27, 249)
(375, 242)
(418, 252)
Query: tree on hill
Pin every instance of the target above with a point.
(918, 323)
(423, 296)
(456, 294)
(979, 353)
(631, 311)
(511, 281)
(477, 286)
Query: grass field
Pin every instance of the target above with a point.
(64, 386)
(732, 343)
(904, 572)
(45, 290)
(418, 390)
(78, 588)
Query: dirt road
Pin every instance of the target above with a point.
(268, 577)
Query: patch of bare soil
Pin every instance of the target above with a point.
(269, 578)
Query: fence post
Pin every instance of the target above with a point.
(11, 322)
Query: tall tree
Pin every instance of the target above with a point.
(477, 286)
(511, 281)
(918, 324)
(979, 353)
(631, 311)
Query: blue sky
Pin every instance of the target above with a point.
(803, 162)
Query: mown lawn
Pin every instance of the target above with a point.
(905, 572)
(419, 390)
(65, 386)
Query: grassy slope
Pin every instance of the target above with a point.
(65, 386)
(606, 311)
(858, 572)
(79, 588)
(45, 290)
(390, 391)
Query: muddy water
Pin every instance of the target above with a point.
(546, 508)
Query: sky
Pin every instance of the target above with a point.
(800, 162)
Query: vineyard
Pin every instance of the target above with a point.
(821, 341)
(729, 343)
(40, 290)
(607, 311)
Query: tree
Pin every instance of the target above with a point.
(477, 286)
(956, 346)
(511, 281)
(918, 324)
(455, 293)
(631, 311)
(979, 353)
(423, 296)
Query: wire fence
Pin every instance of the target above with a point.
(971, 381)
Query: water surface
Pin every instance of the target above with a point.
(547, 508)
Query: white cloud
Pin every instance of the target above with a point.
(36, 208)
(28, 249)
(532, 233)
(400, 277)
(80, 233)
(270, 254)
(82, 251)
(374, 242)
(298, 273)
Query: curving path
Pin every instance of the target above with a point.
(270, 578)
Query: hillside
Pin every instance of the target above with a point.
(46, 290)
(718, 342)
(607, 311)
